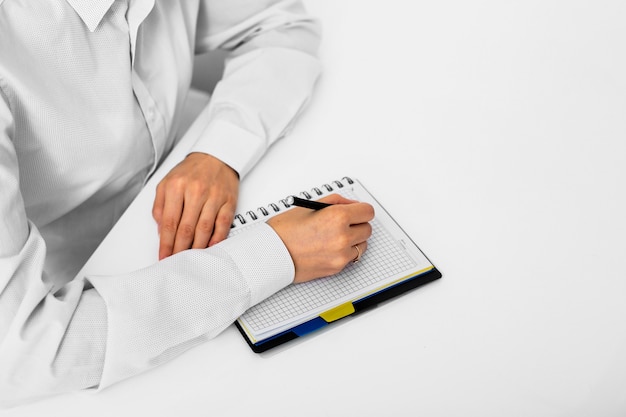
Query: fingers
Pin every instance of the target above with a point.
(359, 249)
(187, 223)
(344, 216)
(359, 233)
(167, 214)
(212, 227)
(354, 220)
(204, 227)
(195, 204)
(222, 224)
(322, 243)
(360, 213)
(356, 245)
(337, 199)
(196, 223)
(355, 211)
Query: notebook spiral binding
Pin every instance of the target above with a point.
(272, 208)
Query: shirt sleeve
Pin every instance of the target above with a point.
(268, 77)
(97, 330)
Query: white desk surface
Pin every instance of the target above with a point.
(495, 133)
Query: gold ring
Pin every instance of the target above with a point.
(358, 254)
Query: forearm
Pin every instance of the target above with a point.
(79, 337)
(49, 341)
(267, 80)
(187, 298)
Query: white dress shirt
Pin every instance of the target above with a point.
(91, 94)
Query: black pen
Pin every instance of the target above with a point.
(292, 200)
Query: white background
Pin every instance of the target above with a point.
(495, 133)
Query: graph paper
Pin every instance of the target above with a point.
(386, 260)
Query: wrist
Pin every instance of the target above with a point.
(262, 258)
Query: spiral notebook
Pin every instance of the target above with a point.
(392, 265)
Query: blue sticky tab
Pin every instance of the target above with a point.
(309, 326)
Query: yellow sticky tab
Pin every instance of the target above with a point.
(338, 312)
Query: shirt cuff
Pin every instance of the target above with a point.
(231, 144)
(264, 261)
(158, 312)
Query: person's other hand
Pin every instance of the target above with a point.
(195, 204)
(321, 243)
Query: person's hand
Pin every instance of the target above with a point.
(195, 204)
(322, 243)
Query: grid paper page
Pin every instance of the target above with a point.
(383, 259)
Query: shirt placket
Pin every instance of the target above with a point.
(138, 10)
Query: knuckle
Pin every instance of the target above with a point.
(196, 187)
(224, 220)
(342, 241)
(338, 263)
(205, 226)
(174, 183)
(161, 185)
(185, 231)
(343, 217)
(169, 225)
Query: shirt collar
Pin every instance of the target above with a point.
(91, 11)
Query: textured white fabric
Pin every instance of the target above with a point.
(151, 318)
(91, 94)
